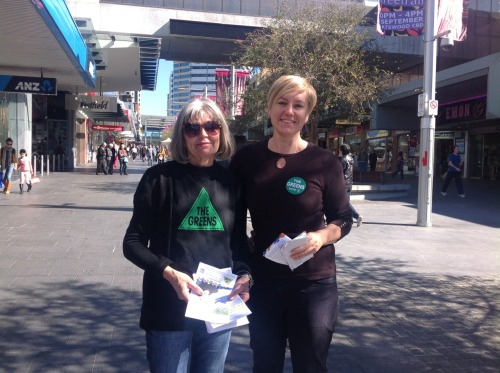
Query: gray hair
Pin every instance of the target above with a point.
(191, 112)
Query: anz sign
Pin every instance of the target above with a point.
(27, 84)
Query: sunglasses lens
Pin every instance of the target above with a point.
(212, 128)
(193, 130)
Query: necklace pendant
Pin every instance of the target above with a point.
(281, 163)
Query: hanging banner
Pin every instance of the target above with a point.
(453, 16)
(223, 82)
(406, 18)
(240, 87)
(400, 17)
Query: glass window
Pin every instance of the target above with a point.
(173, 3)
(232, 6)
(213, 6)
(250, 7)
(156, 3)
(193, 4)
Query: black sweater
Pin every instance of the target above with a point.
(183, 215)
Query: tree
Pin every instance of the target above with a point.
(325, 43)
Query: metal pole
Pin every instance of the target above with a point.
(428, 122)
(206, 91)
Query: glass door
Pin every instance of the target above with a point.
(476, 168)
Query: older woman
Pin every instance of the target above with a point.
(185, 212)
(292, 186)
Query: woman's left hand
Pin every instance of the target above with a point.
(241, 288)
(312, 246)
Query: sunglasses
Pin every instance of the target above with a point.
(8, 143)
(211, 128)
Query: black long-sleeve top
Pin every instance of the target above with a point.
(298, 197)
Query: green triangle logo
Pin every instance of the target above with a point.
(202, 215)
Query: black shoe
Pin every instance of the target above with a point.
(30, 185)
(21, 187)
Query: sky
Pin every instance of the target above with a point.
(155, 102)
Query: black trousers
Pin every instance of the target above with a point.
(304, 312)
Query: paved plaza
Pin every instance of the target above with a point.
(413, 299)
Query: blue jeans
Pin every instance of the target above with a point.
(7, 175)
(176, 351)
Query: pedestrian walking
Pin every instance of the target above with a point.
(400, 161)
(347, 163)
(123, 159)
(8, 163)
(25, 171)
(101, 159)
(111, 157)
(287, 190)
(186, 212)
(454, 172)
(372, 159)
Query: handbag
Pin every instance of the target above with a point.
(35, 180)
(125, 159)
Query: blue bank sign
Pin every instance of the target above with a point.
(28, 84)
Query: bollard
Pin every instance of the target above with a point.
(48, 164)
(41, 165)
(53, 162)
(34, 166)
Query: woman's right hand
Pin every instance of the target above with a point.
(181, 283)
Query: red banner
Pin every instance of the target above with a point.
(103, 127)
(223, 82)
(240, 87)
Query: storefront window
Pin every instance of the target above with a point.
(382, 146)
(4, 118)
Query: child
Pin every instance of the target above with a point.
(25, 170)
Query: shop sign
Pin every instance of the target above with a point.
(355, 139)
(375, 134)
(462, 111)
(103, 104)
(347, 122)
(352, 130)
(28, 84)
(444, 135)
(104, 127)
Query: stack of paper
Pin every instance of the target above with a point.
(213, 306)
(280, 249)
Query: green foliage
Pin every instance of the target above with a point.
(323, 43)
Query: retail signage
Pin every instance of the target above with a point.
(104, 127)
(444, 135)
(347, 122)
(462, 111)
(375, 134)
(105, 104)
(28, 84)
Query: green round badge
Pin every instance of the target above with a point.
(296, 185)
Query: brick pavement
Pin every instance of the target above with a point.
(413, 299)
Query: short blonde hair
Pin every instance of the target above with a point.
(292, 83)
(191, 112)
